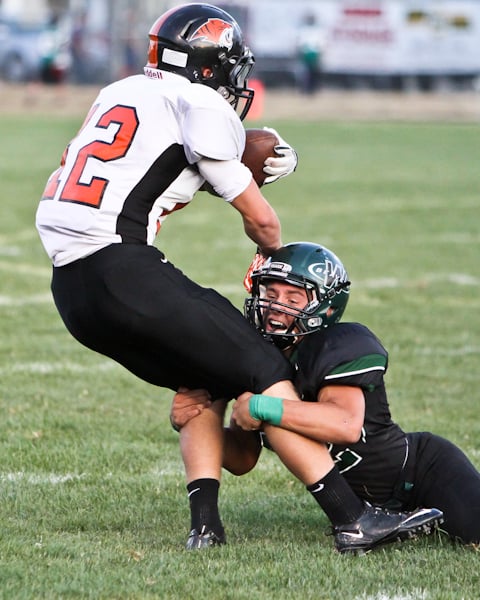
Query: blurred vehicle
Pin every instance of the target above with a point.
(24, 48)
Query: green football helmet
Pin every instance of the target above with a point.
(315, 269)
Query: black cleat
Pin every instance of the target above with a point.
(204, 539)
(377, 527)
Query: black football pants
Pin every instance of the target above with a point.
(128, 302)
(446, 479)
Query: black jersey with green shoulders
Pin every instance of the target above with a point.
(350, 354)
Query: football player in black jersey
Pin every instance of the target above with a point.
(298, 297)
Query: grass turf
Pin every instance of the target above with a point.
(93, 502)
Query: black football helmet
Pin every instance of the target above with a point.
(204, 44)
(315, 269)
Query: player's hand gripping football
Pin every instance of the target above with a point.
(186, 405)
(283, 164)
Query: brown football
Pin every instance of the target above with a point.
(259, 145)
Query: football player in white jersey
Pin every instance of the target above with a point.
(148, 143)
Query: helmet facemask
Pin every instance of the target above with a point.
(262, 311)
(229, 78)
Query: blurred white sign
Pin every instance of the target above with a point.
(374, 36)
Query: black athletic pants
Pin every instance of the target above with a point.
(128, 302)
(446, 479)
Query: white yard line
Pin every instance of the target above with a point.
(39, 478)
(415, 595)
(25, 300)
(429, 278)
(447, 351)
(171, 469)
(45, 368)
(25, 269)
(25, 235)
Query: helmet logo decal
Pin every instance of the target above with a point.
(332, 273)
(216, 32)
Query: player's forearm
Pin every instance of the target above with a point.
(260, 221)
(266, 236)
(265, 230)
(322, 422)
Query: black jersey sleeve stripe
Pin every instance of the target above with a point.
(364, 364)
(132, 222)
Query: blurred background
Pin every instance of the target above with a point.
(306, 45)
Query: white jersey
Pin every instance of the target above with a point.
(137, 158)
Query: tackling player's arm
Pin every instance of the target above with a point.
(336, 417)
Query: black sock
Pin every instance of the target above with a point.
(336, 498)
(203, 498)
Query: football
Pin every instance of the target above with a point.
(259, 145)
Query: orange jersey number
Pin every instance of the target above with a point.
(91, 193)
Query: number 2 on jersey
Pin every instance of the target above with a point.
(91, 193)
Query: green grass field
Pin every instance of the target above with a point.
(93, 501)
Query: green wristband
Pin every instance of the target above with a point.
(266, 408)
